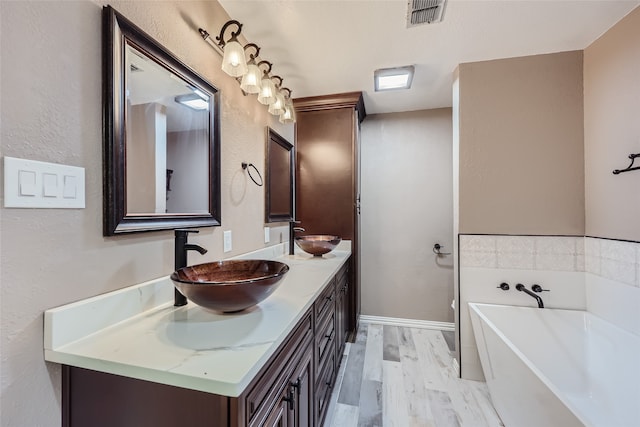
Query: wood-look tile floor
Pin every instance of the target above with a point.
(404, 377)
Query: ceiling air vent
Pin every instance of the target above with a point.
(425, 12)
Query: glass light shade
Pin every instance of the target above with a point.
(233, 61)
(252, 79)
(277, 107)
(267, 92)
(289, 114)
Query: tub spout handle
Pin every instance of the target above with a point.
(538, 289)
(503, 286)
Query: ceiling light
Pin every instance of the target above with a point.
(193, 100)
(393, 78)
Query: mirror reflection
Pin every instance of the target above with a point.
(167, 140)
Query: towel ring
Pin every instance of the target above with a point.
(246, 166)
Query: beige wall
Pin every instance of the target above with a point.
(612, 131)
(521, 156)
(406, 209)
(51, 111)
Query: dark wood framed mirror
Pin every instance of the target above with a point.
(161, 165)
(280, 178)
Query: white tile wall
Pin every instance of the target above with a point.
(545, 253)
(618, 261)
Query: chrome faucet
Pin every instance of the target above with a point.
(180, 258)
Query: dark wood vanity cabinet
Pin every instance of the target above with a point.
(285, 383)
(328, 175)
(294, 403)
(343, 305)
(292, 390)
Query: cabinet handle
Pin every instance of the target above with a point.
(290, 398)
(330, 298)
(296, 385)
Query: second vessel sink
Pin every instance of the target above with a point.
(231, 285)
(317, 244)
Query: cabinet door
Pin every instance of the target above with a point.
(301, 383)
(325, 172)
(341, 321)
(279, 416)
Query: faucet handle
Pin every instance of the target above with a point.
(185, 230)
(503, 286)
(538, 288)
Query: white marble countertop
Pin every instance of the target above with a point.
(138, 333)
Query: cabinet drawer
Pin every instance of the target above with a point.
(264, 393)
(325, 340)
(325, 303)
(324, 385)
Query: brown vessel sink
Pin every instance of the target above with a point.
(231, 285)
(317, 244)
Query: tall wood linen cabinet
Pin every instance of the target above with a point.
(328, 177)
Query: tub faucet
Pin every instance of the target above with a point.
(180, 258)
(522, 288)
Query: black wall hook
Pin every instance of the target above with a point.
(630, 167)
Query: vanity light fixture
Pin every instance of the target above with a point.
(289, 114)
(393, 78)
(266, 96)
(277, 107)
(234, 62)
(252, 78)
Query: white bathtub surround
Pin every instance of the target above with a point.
(137, 332)
(612, 281)
(609, 288)
(615, 302)
(572, 368)
(566, 290)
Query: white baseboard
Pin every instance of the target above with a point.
(408, 323)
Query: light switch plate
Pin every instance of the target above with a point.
(267, 234)
(227, 246)
(34, 184)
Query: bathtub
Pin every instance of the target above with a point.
(548, 367)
